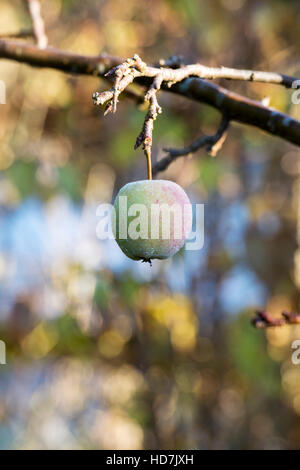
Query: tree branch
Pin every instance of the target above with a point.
(210, 73)
(55, 59)
(265, 320)
(212, 143)
(237, 107)
(182, 80)
(241, 109)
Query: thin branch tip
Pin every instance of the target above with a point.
(265, 320)
(212, 144)
(34, 8)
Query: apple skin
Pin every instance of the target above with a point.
(148, 192)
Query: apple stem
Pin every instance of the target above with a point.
(149, 165)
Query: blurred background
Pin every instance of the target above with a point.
(107, 353)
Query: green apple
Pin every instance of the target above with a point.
(152, 219)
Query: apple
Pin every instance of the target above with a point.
(151, 219)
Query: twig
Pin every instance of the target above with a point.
(123, 75)
(174, 73)
(34, 9)
(145, 136)
(210, 73)
(212, 143)
(265, 320)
